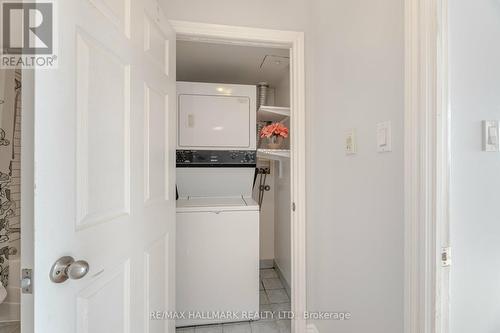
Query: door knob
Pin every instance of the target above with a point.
(67, 268)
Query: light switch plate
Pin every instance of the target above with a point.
(491, 142)
(351, 146)
(384, 137)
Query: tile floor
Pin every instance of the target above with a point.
(273, 298)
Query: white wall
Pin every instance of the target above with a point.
(475, 226)
(283, 90)
(355, 203)
(266, 221)
(282, 226)
(282, 220)
(275, 219)
(275, 14)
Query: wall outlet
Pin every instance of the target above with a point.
(351, 146)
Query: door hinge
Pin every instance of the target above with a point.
(27, 281)
(446, 256)
(293, 207)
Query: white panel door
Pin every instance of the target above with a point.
(104, 169)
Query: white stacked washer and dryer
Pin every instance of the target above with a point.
(217, 219)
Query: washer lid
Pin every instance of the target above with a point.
(213, 202)
(216, 204)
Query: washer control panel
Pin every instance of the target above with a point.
(216, 158)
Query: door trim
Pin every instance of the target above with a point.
(27, 193)
(427, 166)
(295, 42)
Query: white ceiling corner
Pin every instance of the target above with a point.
(224, 63)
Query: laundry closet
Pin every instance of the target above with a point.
(233, 184)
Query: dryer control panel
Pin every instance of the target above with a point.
(216, 158)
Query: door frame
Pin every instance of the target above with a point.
(27, 317)
(427, 166)
(295, 42)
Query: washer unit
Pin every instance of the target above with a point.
(217, 235)
(217, 219)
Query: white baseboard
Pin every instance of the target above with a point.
(311, 328)
(282, 278)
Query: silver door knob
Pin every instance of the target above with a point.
(67, 268)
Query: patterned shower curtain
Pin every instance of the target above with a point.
(10, 98)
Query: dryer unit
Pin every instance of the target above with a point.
(216, 116)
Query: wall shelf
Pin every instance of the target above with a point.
(279, 155)
(273, 113)
(274, 154)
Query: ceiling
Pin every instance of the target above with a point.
(224, 63)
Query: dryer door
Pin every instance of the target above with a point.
(214, 121)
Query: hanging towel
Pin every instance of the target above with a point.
(3, 293)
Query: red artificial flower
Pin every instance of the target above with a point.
(275, 129)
